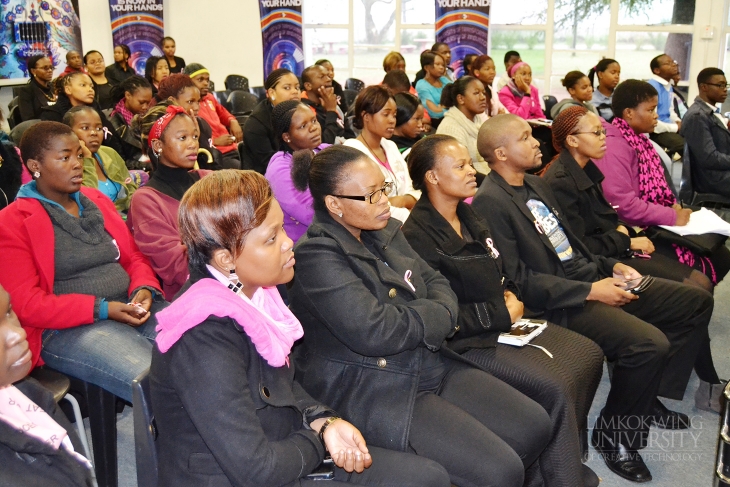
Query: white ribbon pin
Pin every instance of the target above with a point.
(407, 278)
(492, 248)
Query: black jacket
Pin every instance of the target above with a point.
(590, 216)
(31, 100)
(365, 328)
(225, 417)
(709, 146)
(28, 461)
(473, 270)
(332, 125)
(529, 258)
(115, 75)
(259, 143)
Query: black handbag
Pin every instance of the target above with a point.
(703, 245)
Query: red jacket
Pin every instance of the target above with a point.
(218, 118)
(27, 249)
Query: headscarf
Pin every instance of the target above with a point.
(161, 124)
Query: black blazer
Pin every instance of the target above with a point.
(365, 328)
(473, 270)
(332, 126)
(590, 216)
(30, 462)
(709, 146)
(529, 258)
(259, 143)
(225, 417)
(31, 101)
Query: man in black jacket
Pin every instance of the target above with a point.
(706, 133)
(320, 95)
(652, 338)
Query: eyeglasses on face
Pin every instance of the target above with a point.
(597, 133)
(373, 197)
(722, 86)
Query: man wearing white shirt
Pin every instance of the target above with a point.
(706, 132)
(664, 68)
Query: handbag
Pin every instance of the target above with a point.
(703, 245)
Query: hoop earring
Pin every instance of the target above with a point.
(235, 284)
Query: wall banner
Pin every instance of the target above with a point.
(464, 26)
(281, 32)
(138, 24)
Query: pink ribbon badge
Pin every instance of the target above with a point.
(407, 278)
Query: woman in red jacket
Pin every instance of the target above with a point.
(70, 261)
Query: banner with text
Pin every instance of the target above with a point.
(139, 25)
(281, 31)
(464, 26)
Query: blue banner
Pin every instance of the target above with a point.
(281, 32)
(139, 25)
(464, 26)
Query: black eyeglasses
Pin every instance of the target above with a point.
(373, 197)
(597, 133)
(722, 86)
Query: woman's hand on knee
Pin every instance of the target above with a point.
(347, 447)
(127, 313)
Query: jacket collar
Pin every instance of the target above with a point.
(433, 223)
(707, 110)
(584, 177)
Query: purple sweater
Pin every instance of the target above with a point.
(296, 205)
(620, 166)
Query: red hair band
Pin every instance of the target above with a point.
(161, 124)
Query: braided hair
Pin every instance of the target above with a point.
(129, 85)
(562, 127)
(281, 118)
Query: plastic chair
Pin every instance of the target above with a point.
(236, 82)
(211, 86)
(349, 96)
(259, 91)
(242, 102)
(689, 196)
(222, 97)
(354, 84)
(17, 132)
(550, 101)
(145, 432)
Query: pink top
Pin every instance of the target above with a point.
(527, 107)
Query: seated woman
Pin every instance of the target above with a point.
(264, 431)
(260, 142)
(608, 72)
(170, 137)
(375, 316)
(484, 70)
(576, 181)
(297, 128)
(375, 115)
(76, 89)
(38, 93)
(94, 64)
(634, 181)
(179, 89)
(429, 88)
(176, 64)
(44, 455)
(450, 236)
(408, 122)
(581, 93)
(466, 100)
(132, 97)
(104, 169)
(519, 96)
(75, 309)
(155, 71)
(394, 61)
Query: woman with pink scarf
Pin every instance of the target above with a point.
(132, 97)
(227, 407)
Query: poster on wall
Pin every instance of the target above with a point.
(281, 32)
(30, 28)
(139, 25)
(464, 26)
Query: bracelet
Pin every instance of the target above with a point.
(326, 424)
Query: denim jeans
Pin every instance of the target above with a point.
(107, 353)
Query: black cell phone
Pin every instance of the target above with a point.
(325, 471)
(637, 286)
(633, 283)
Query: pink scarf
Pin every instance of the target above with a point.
(267, 321)
(653, 188)
(22, 414)
(122, 110)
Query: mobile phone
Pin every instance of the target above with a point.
(633, 283)
(325, 470)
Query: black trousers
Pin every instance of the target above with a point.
(231, 160)
(653, 342)
(390, 469)
(484, 432)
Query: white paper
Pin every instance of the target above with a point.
(701, 222)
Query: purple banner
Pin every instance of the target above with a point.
(464, 26)
(138, 24)
(281, 32)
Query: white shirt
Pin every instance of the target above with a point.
(663, 127)
(718, 114)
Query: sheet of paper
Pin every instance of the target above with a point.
(701, 222)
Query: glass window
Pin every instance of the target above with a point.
(326, 11)
(377, 25)
(581, 29)
(656, 12)
(412, 43)
(418, 12)
(529, 12)
(529, 43)
(329, 43)
(727, 53)
(635, 50)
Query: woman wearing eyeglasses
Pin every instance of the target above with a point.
(375, 317)
(38, 93)
(575, 179)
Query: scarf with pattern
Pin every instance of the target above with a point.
(122, 110)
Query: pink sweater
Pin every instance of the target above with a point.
(527, 107)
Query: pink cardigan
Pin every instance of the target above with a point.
(527, 107)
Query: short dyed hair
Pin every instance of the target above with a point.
(173, 85)
(219, 211)
(391, 59)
